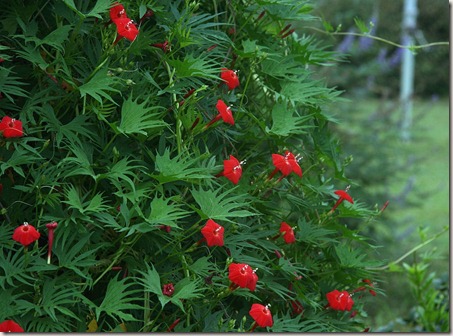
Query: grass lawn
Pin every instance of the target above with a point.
(423, 180)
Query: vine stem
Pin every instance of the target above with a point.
(380, 39)
(404, 256)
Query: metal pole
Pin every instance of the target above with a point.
(407, 67)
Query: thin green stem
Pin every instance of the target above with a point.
(405, 255)
(380, 39)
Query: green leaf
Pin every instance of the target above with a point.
(75, 201)
(98, 86)
(162, 213)
(140, 119)
(313, 234)
(20, 157)
(72, 6)
(56, 38)
(118, 299)
(219, 205)
(10, 85)
(74, 252)
(181, 167)
(100, 7)
(123, 171)
(57, 297)
(192, 66)
(12, 264)
(285, 124)
(361, 25)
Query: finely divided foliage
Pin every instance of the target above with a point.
(115, 148)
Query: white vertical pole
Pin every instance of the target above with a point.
(407, 67)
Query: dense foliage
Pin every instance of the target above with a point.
(166, 182)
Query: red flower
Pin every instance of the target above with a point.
(293, 162)
(10, 326)
(232, 169)
(11, 128)
(26, 234)
(126, 28)
(297, 307)
(213, 233)
(262, 315)
(243, 276)
(168, 289)
(164, 46)
(252, 281)
(224, 113)
(230, 77)
(340, 300)
(51, 227)
(117, 12)
(344, 196)
(288, 233)
(285, 164)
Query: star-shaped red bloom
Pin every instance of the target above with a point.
(126, 28)
(340, 300)
(26, 234)
(285, 164)
(232, 169)
(11, 128)
(230, 77)
(242, 275)
(117, 11)
(262, 315)
(213, 233)
(10, 326)
(225, 112)
(293, 163)
(288, 234)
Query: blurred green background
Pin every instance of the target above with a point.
(412, 175)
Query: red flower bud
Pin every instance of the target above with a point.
(168, 289)
(51, 227)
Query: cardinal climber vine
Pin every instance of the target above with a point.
(146, 176)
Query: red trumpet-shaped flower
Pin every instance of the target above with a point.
(262, 315)
(344, 196)
(213, 233)
(288, 233)
(10, 326)
(26, 234)
(285, 164)
(11, 128)
(230, 77)
(117, 11)
(242, 275)
(340, 300)
(126, 28)
(224, 113)
(51, 227)
(165, 46)
(232, 169)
